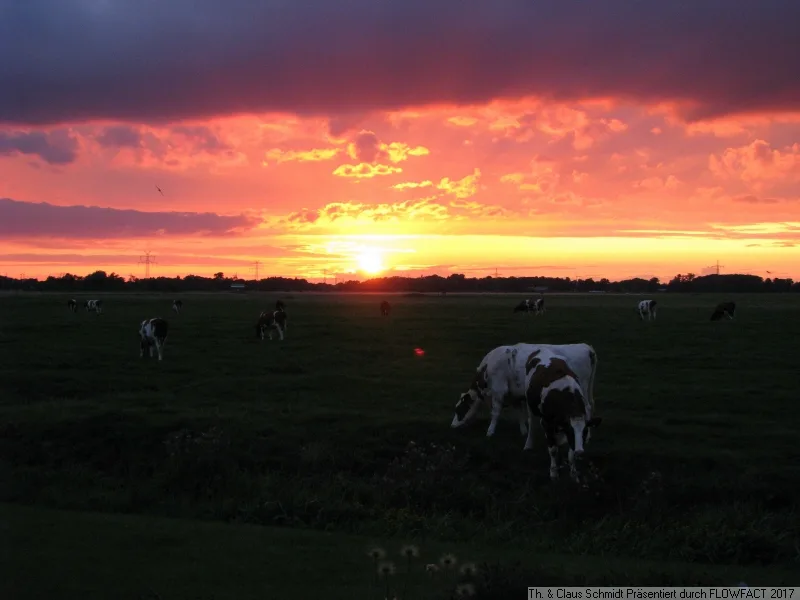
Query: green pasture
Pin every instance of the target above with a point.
(242, 469)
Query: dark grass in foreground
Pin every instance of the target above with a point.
(56, 554)
(696, 459)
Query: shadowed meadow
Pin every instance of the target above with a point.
(343, 429)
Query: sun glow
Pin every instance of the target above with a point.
(369, 262)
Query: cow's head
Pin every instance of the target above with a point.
(466, 408)
(260, 329)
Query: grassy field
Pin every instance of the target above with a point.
(695, 469)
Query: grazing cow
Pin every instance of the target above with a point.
(724, 308)
(553, 394)
(72, 305)
(528, 306)
(177, 305)
(267, 321)
(502, 374)
(95, 306)
(153, 334)
(385, 308)
(647, 308)
(524, 306)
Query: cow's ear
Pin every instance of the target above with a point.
(595, 421)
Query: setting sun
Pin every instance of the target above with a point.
(370, 262)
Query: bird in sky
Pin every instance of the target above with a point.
(159, 190)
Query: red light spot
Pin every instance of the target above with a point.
(419, 351)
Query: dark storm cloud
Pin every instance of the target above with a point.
(147, 60)
(30, 219)
(55, 148)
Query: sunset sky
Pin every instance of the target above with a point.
(612, 138)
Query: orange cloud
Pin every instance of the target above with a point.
(365, 170)
(462, 121)
(412, 185)
(399, 152)
(463, 188)
(313, 155)
(757, 163)
(542, 178)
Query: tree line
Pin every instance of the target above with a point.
(100, 281)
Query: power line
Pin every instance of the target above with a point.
(147, 260)
(716, 267)
(256, 265)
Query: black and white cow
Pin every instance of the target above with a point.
(531, 306)
(153, 334)
(72, 305)
(95, 306)
(647, 308)
(279, 305)
(554, 396)
(177, 305)
(727, 309)
(385, 308)
(501, 375)
(267, 321)
(524, 306)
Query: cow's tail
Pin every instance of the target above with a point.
(593, 362)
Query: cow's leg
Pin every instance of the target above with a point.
(529, 438)
(152, 350)
(496, 408)
(573, 469)
(552, 449)
(280, 330)
(141, 349)
(160, 348)
(523, 419)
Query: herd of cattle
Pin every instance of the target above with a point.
(553, 383)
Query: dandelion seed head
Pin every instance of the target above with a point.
(377, 553)
(468, 569)
(410, 551)
(386, 568)
(465, 590)
(448, 561)
(431, 568)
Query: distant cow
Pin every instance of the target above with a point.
(279, 305)
(647, 308)
(72, 305)
(524, 306)
(528, 306)
(177, 305)
(724, 308)
(385, 308)
(153, 334)
(267, 321)
(501, 374)
(95, 306)
(554, 395)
